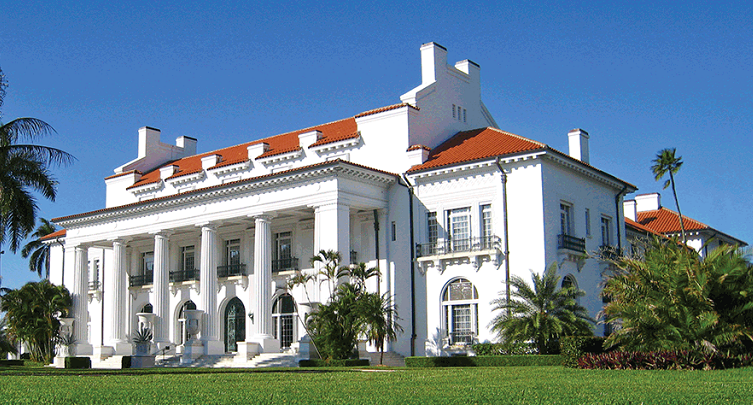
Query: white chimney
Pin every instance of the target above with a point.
(167, 171)
(148, 140)
(188, 145)
(417, 154)
(433, 57)
(209, 161)
(578, 141)
(648, 202)
(629, 207)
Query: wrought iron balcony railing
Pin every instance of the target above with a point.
(457, 246)
(142, 279)
(288, 263)
(184, 275)
(94, 285)
(231, 270)
(571, 243)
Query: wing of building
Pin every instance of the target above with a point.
(645, 215)
(428, 190)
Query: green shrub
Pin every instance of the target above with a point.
(8, 363)
(125, 362)
(573, 347)
(333, 363)
(78, 362)
(484, 361)
(663, 360)
(504, 349)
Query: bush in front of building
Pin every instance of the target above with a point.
(574, 347)
(78, 362)
(484, 361)
(333, 363)
(663, 360)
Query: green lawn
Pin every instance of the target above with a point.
(529, 385)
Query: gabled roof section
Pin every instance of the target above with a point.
(52, 236)
(278, 144)
(666, 221)
(477, 144)
(641, 228)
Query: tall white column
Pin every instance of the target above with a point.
(118, 290)
(80, 300)
(263, 284)
(332, 232)
(161, 289)
(210, 328)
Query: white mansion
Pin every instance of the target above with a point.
(430, 191)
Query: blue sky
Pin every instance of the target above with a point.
(638, 76)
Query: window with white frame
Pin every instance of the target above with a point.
(233, 252)
(147, 263)
(433, 228)
(453, 111)
(588, 222)
(487, 233)
(565, 219)
(183, 335)
(94, 280)
(282, 254)
(459, 226)
(284, 319)
(188, 258)
(606, 231)
(460, 311)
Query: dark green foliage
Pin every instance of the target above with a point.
(37, 251)
(667, 163)
(24, 168)
(504, 349)
(125, 362)
(9, 363)
(672, 299)
(663, 360)
(333, 363)
(484, 361)
(78, 362)
(573, 347)
(32, 315)
(542, 313)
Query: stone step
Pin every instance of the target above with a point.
(391, 359)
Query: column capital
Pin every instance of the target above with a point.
(208, 225)
(162, 232)
(122, 240)
(267, 215)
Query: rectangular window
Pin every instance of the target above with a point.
(94, 275)
(458, 223)
(565, 219)
(433, 227)
(459, 112)
(394, 231)
(605, 231)
(147, 263)
(188, 261)
(588, 222)
(233, 252)
(465, 115)
(453, 111)
(487, 233)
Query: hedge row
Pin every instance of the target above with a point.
(485, 361)
(503, 349)
(574, 347)
(662, 360)
(333, 363)
(8, 363)
(78, 362)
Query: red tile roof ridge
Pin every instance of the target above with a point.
(664, 214)
(642, 227)
(180, 174)
(325, 141)
(418, 146)
(543, 145)
(144, 183)
(278, 152)
(122, 174)
(232, 183)
(227, 163)
(54, 235)
(386, 108)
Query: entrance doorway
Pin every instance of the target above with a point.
(235, 324)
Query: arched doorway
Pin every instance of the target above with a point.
(235, 324)
(183, 336)
(284, 316)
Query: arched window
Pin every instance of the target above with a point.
(285, 317)
(235, 324)
(460, 311)
(569, 281)
(147, 309)
(183, 336)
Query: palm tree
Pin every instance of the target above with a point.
(667, 163)
(39, 251)
(543, 313)
(330, 268)
(379, 320)
(32, 314)
(24, 167)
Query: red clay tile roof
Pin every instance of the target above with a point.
(387, 108)
(666, 221)
(54, 235)
(278, 144)
(335, 138)
(477, 144)
(629, 222)
(416, 147)
(122, 174)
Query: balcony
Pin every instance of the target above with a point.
(94, 285)
(568, 242)
(184, 275)
(231, 270)
(142, 279)
(458, 246)
(286, 264)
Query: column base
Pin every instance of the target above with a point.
(267, 343)
(84, 349)
(192, 350)
(247, 351)
(123, 349)
(213, 347)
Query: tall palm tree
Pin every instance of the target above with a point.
(24, 167)
(330, 268)
(543, 313)
(379, 320)
(39, 251)
(667, 163)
